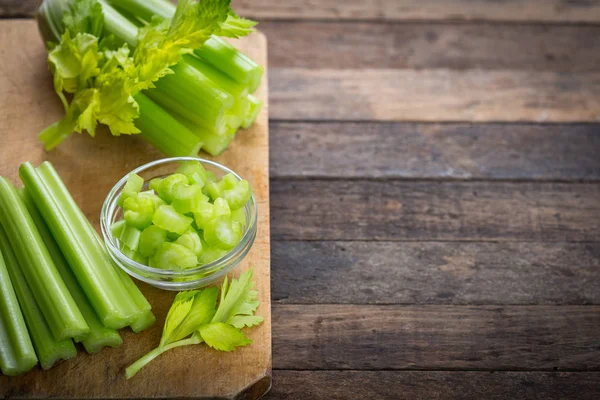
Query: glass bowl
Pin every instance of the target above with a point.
(167, 279)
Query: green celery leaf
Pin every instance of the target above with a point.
(245, 321)
(202, 311)
(223, 337)
(237, 298)
(235, 26)
(84, 16)
(177, 313)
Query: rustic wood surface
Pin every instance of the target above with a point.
(435, 187)
(90, 168)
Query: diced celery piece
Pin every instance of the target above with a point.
(172, 236)
(238, 196)
(173, 256)
(166, 217)
(191, 240)
(194, 171)
(149, 194)
(221, 208)
(117, 228)
(186, 197)
(134, 255)
(213, 190)
(132, 187)
(130, 237)
(212, 177)
(255, 106)
(155, 183)
(221, 232)
(138, 211)
(239, 215)
(210, 254)
(229, 181)
(203, 214)
(151, 239)
(167, 185)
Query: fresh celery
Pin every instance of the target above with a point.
(163, 131)
(170, 220)
(93, 268)
(58, 306)
(99, 335)
(48, 349)
(17, 355)
(255, 106)
(130, 236)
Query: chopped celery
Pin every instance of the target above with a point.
(92, 266)
(155, 199)
(99, 336)
(133, 186)
(117, 228)
(229, 181)
(17, 355)
(138, 211)
(186, 198)
(222, 233)
(173, 256)
(130, 237)
(151, 239)
(163, 131)
(155, 184)
(194, 171)
(203, 214)
(255, 105)
(167, 218)
(53, 298)
(239, 216)
(210, 254)
(238, 196)
(191, 240)
(166, 187)
(213, 190)
(221, 208)
(48, 349)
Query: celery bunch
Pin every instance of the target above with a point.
(146, 67)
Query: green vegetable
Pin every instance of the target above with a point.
(222, 232)
(130, 237)
(132, 187)
(99, 336)
(138, 211)
(17, 355)
(173, 257)
(48, 349)
(91, 265)
(195, 318)
(151, 239)
(255, 105)
(167, 218)
(51, 294)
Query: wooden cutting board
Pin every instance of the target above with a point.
(90, 167)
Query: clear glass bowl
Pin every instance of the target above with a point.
(165, 279)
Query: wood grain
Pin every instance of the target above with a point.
(416, 210)
(435, 273)
(552, 11)
(90, 168)
(340, 337)
(436, 151)
(403, 10)
(434, 95)
(425, 45)
(438, 385)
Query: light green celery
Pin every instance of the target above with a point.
(146, 9)
(192, 95)
(93, 268)
(222, 232)
(130, 237)
(146, 318)
(119, 25)
(48, 349)
(139, 364)
(254, 109)
(170, 220)
(166, 187)
(220, 79)
(163, 131)
(117, 228)
(53, 298)
(174, 256)
(99, 336)
(213, 143)
(151, 239)
(17, 355)
(132, 187)
(239, 216)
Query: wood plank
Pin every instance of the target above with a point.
(455, 151)
(341, 337)
(90, 168)
(435, 273)
(376, 385)
(417, 210)
(434, 95)
(551, 11)
(425, 45)
(407, 10)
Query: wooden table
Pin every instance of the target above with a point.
(435, 197)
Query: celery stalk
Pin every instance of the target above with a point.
(99, 335)
(253, 110)
(52, 296)
(93, 269)
(48, 349)
(163, 131)
(17, 355)
(220, 79)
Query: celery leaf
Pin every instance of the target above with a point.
(235, 26)
(237, 298)
(84, 16)
(223, 337)
(202, 311)
(177, 313)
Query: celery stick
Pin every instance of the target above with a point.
(48, 349)
(17, 355)
(255, 106)
(236, 89)
(99, 335)
(93, 268)
(163, 131)
(52, 296)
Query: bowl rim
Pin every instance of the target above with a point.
(110, 206)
